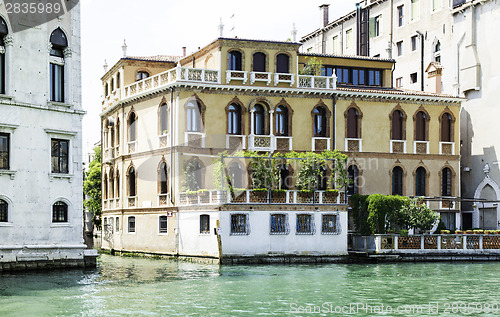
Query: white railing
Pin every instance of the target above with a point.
(117, 203)
(398, 146)
(132, 202)
(447, 148)
(353, 145)
(164, 141)
(109, 153)
(111, 99)
(236, 75)
(117, 150)
(317, 82)
(421, 147)
(235, 141)
(164, 200)
(283, 143)
(320, 144)
(261, 142)
(132, 146)
(194, 139)
(261, 77)
(284, 78)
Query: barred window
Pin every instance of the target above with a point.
(205, 224)
(330, 224)
(163, 224)
(60, 212)
(240, 224)
(305, 224)
(279, 224)
(131, 224)
(4, 211)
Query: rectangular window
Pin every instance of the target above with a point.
(2, 73)
(56, 82)
(329, 224)
(436, 5)
(327, 70)
(358, 77)
(413, 78)
(342, 75)
(415, 10)
(205, 224)
(163, 224)
(110, 224)
(401, 16)
(60, 156)
(4, 151)
(305, 224)
(414, 43)
(348, 39)
(117, 223)
(377, 25)
(374, 78)
(131, 224)
(336, 48)
(239, 224)
(399, 82)
(399, 46)
(279, 224)
(60, 212)
(4, 211)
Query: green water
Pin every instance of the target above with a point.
(145, 287)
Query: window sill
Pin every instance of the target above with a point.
(69, 177)
(204, 234)
(163, 234)
(12, 174)
(6, 224)
(60, 225)
(2, 96)
(130, 232)
(58, 104)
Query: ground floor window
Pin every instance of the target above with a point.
(330, 224)
(204, 224)
(163, 224)
(279, 224)
(4, 211)
(117, 223)
(60, 212)
(240, 224)
(131, 224)
(448, 219)
(305, 224)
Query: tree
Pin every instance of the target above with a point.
(313, 67)
(92, 188)
(420, 216)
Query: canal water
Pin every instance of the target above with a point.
(123, 286)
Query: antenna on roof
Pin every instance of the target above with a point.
(233, 28)
(124, 48)
(221, 28)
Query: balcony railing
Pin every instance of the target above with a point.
(261, 142)
(284, 78)
(421, 147)
(353, 145)
(132, 147)
(447, 148)
(320, 144)
(398, 146)
(260, 77)
(164, 200)
(164, 141)
(194, 139)
(236, 75)
(259, 197)
(317, 82)
(235, 141)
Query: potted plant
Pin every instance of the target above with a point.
(479, 231)
(330, 196)
(305, 196)
(278, 196)
(204, 196)
(239, 195)
(459, 232)
(445, 231)
(258, 195)
(192, 196)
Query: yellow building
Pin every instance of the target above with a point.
(165, 121)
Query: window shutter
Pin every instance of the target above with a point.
(372, 27)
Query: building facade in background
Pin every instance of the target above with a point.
(40, 144)
(444, 47)
(167, 120)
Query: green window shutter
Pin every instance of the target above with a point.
(372, 27)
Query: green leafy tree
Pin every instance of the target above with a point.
(92, 188)
(419, 215)
(313, 67)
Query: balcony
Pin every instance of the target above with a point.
(235, 141)
(111, 99)
(109, 154)
(132, 201)
(398, 146)
(317, 82)
(236, 75)
(353, 145)
(132, 147)
(194, 139)
(447, 148)
(421, 147)
(283, 143)
(284, 78)
(164, 200)
(261, 142)
(164, 141)
(320, 144)
(260, 77)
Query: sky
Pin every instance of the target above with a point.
(163, 27)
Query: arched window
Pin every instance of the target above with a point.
(352, 175)
(162, 178)
(397, 181)
(193, 179)
(285, 179)
(111, 184)
(420, 182)
(236, 175)
(259, 120)
(397, 125)
(319, 122)
(353, 123)
(131, 182)
(322, 178)
(282, 121)
(446, 127)
(118, 78)
(163, 116)
(112, 84)
(3, 32)
(117, 184)
(446, 182)
(234, 119)
(282, 64)
(4, 211)
(105, 187)
(58, 43)
(106, 90)
(420, 126)
(437, 52)
(60, 212)
(112, 136)
(132, 127)
(193, 117)
(141, 75)
(117, 132)
(259, 62)
(235, 60)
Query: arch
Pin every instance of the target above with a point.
(194, 172)
(5, 206)
(105, 186)
(316, 120)
(353, 120)
(59, 41)
(353, 174)
(210, 62)
(236, 174)
(132, 125)
(286, 112)
(267, 105)
(400, 123)
(421, 120)
(131, 181)
(398, 179)
(117, 185)
(421, 176)
(283, 63)
(235, 57)
(447, 177)
(141, 74)
(60, 210)
(234, 119)
(111, 183)
(117, 130)
(447, 125)
(197, 118)
(4, 28)
(163, 170)
(163, 110)
(260, 62)
(243, 110)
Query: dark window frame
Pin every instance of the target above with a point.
(397, 181)
(259, 120)
(4, 211)
(235, 60)
(60, 212)
(420, 181)
(278, 224)
(204, 224)
(5, 152)
(319, 124)
(131, 225)
(446, 182)
(305, 224)
(59, 161)
(239, 224)
(162, 224)
(142, 74)
(234, 119)
(326, 224)
(281, 116)
(355, 76)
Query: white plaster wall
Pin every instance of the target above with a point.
(191, 241)
(260, 242)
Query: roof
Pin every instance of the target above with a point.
(257, 40)
(156, 58)
(358, 57)
(395, 91)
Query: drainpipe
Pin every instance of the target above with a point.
(171, 143)
(421, 59)
(334, 126)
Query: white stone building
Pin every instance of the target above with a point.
(439, 46)
(40, 144)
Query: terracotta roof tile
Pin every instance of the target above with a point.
(157, 58)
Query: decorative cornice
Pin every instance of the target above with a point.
(61, 132)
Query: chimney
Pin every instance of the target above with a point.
(324, 9)
(183, 51)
